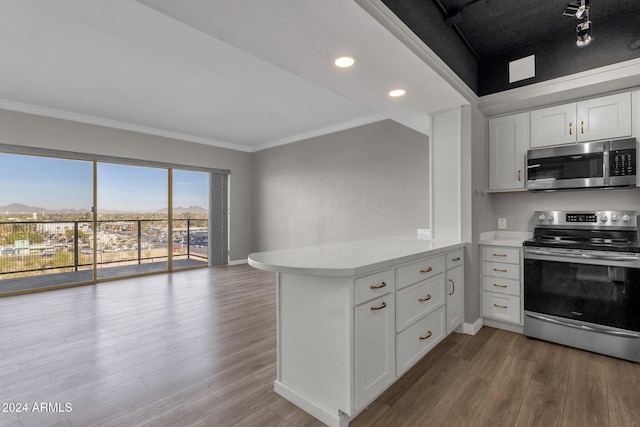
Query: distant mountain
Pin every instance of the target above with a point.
(191, 209)
(19, 208)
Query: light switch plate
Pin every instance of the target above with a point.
(502, 223)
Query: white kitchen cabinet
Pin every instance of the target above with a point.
(604, 118)
(348, 329)
(607, 117)
(418, 300)
(508, 145)
(375, 352)
(502, 284)
(553, 125)
(455, 299)
(416, 341)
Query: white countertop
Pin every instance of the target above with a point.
(504, 238)
(350, 258)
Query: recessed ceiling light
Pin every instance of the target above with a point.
(397, 92)
(344, 61)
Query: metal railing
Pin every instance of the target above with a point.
(30, 246)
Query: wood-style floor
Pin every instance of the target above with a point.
(199, 348)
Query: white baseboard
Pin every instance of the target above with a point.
(319, 412)
(473, 328)
(502, 325)
(238, 262)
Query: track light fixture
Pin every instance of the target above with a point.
(580, 10)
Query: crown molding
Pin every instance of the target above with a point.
(115, 124)
(323, 131)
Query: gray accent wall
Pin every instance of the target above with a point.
(362, 183)
(30, 130)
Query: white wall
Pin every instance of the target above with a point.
(366, 182)
(55, 134)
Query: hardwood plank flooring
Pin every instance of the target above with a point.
(198, 348)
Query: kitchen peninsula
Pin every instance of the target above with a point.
(353, 317)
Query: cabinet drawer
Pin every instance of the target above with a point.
(496, 254)
(497, 269)
(419, 270)
(373, 285)
(501, 285)
(415, 341)
(501, 307)
(417, 300)
(454, 259)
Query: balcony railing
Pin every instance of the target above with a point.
(27, 247)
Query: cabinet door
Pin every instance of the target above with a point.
(553, 125)
(455, 301)
(604, 118)
(508, 144)
(374, 348)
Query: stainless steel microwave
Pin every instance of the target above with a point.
(589, 165)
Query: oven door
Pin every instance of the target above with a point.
(581, 286)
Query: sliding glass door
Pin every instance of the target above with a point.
(132, 220)
(46, 223)
(71, 221)
(190, 196)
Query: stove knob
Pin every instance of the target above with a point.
(614, 217)
(626, 218)
(603, 218)
(541, 218)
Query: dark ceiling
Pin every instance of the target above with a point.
(478, 38)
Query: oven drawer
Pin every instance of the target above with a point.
(497, 269)
(420, 270)
(417, 300)
(496, 254)
(501, 307)
(373, 285)
(501, 285)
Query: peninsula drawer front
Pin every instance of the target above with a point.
(501, 307)
(454, 259)
(415, 301)
(373, 285)
(508, 255)
(503, 286)
(415, 341)
(420, 270)
(496, 269)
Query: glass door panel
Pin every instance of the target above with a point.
(132, 220)
(46, 228)
(190, 219)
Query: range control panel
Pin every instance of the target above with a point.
(586, 219)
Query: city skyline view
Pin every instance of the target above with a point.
(62, 184)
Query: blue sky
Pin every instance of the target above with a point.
(67, 184)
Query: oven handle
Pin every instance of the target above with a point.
(582, 255)
(583, 327)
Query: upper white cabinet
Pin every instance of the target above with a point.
(508, 145)
(600, 118)
(553, 125)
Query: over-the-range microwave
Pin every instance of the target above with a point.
(587, 165)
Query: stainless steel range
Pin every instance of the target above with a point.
(582, 281)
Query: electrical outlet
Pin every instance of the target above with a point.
(502, 223)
